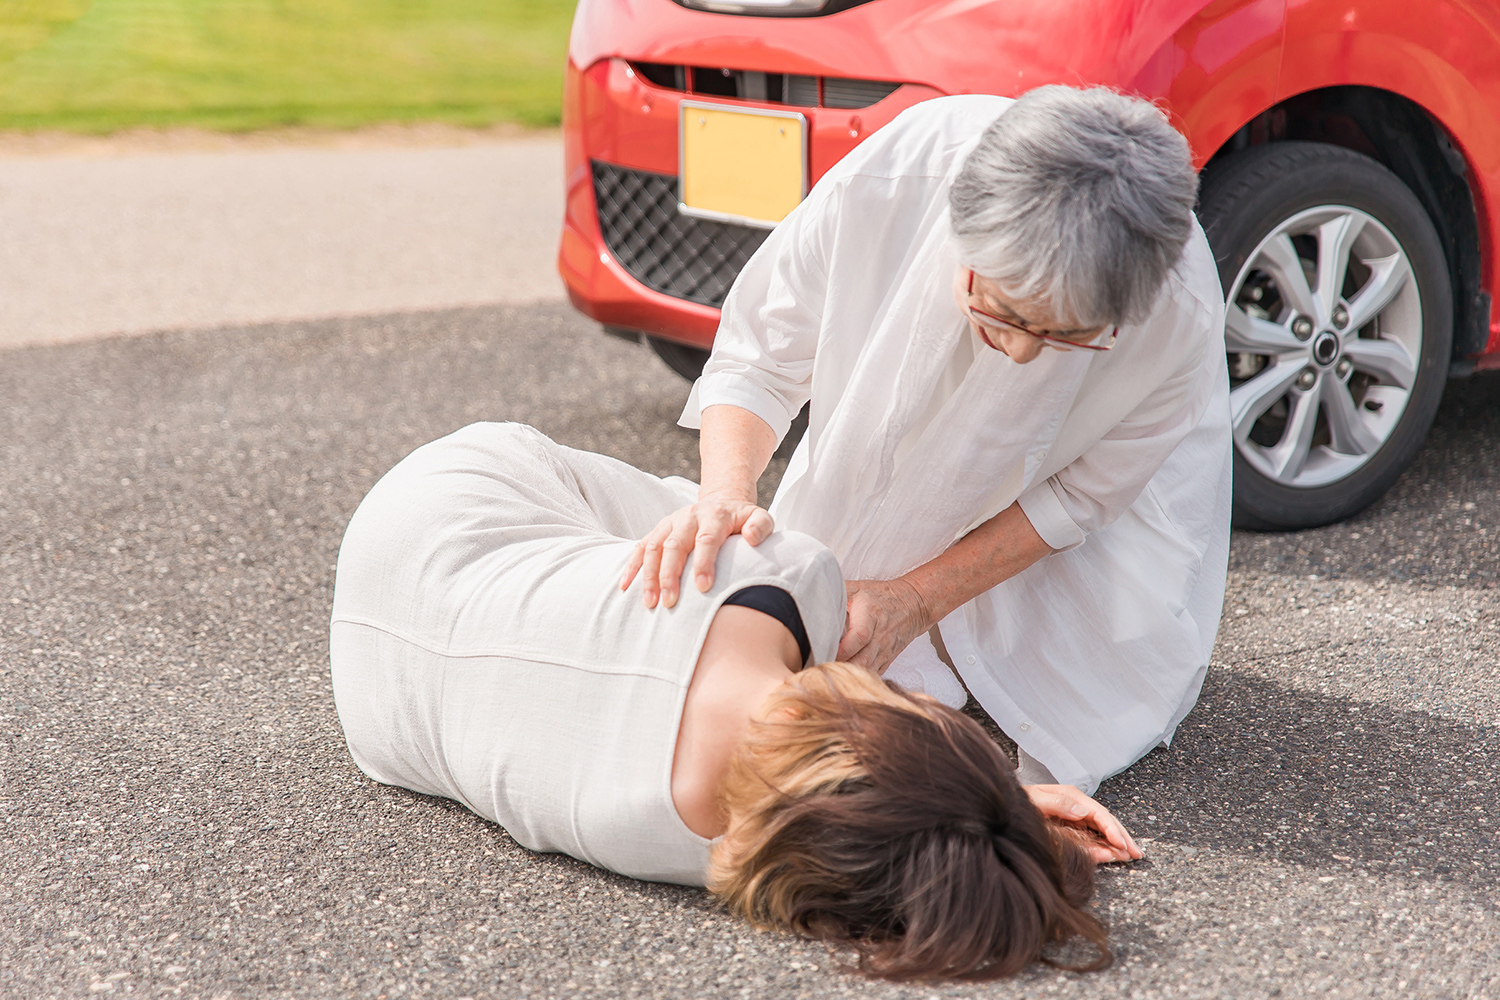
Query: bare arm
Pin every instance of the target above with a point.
(989, 555)
(734, 446)
(884, 616)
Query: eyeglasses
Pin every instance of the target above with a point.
(1057, 338)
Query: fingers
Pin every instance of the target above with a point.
(1102, 855)
(1050, 801)
(1070, 805)
(871, 638)
(674, 556)
(715, 525)
(855, 649)
(714, 529)
(758, 526)
(1111, 829)
(858, 631)
(699, 530)
(650, 547)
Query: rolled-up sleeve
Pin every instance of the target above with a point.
(1043, 507)
(768, 333)
(1106, 479)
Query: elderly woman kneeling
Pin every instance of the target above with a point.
(1009, 327)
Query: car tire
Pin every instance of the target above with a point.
(1338, 332)
(682, 359)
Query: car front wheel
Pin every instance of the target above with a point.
(1338, 328)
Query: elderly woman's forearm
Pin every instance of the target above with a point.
(734, 447)
(986, 557)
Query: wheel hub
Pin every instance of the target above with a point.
(1325, 349)
(1329, 290)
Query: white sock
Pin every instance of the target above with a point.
(919, 668)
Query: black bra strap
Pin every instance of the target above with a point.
(779, 605)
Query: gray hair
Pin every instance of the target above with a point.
(1079, 198)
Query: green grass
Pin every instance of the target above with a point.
(104, 65)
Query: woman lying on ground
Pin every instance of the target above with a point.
(483, 651)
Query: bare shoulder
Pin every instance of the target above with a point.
(745, 658)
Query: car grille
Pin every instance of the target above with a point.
(770, 88)
(668, 252)
(855, 93)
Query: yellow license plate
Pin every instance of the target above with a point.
(740, 166)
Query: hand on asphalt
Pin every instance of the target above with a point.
(1068, 804)
(701, 529)
(884, 617)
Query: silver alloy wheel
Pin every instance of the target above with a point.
(1323, 330)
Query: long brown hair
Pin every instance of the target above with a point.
(867, 817)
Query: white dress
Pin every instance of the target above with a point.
(482, 650)
(919, 433)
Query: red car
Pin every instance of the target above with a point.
(1350, 153)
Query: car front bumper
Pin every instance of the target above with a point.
(628, 257)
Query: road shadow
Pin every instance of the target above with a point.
(1282, 775)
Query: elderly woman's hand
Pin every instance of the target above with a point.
(735, 446)
(884, 617)
(701, 529)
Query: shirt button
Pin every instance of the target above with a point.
(970, 658)
(1025, 726)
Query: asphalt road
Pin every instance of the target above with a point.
(181, 818)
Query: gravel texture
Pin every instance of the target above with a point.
(181, 817)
